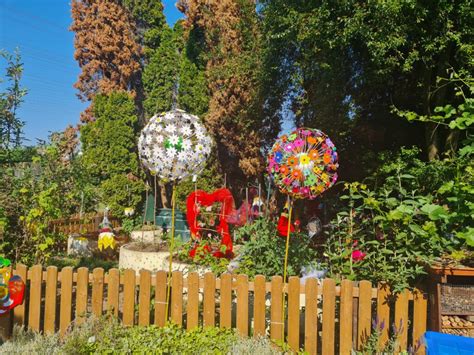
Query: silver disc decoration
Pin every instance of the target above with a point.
(174, 145)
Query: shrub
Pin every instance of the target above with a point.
(264, 252)
(106, 335)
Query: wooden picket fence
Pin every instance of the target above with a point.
(319, 318)
(89, 223)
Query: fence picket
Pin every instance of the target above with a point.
(19, 312)
(401, 319)
(276, 316)
(347, 295)
(365, 312)
(34, 308)
(160, 298)
(113, 291)
(311, 316)
(420, 307)
(243, 305)
(177, 297)
(192, 309)
(345, 315)
(294, 312)
(226, 301)
(50, 299)
(97, 291)
(259, 306)
(129, 297)
(66, 299)
(329, 314)
(82, 290)
(209, 306)
(383, 312)
(144, 298)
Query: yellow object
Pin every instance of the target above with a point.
(5, 277)
(106, 240)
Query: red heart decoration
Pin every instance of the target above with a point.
(223, 196)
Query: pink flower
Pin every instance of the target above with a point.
(358, 255)
(298, 142)
(286, 181)
(289, 147)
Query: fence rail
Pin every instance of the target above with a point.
(87, 224)
(323, 318)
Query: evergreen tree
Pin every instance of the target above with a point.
(106, 49)
(109, 151)
(231, 35)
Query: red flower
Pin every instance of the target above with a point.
(358, 255)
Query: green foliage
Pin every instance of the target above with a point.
(88, 262)
(264, 252)
(160, 74)
(371, 344)
(107, 335)
(10, 124)
(340, 66)
(109, 152)
(31, 195)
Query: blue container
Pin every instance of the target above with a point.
(447, 344)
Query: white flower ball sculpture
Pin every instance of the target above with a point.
(174, 145)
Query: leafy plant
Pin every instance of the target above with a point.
(264, 252)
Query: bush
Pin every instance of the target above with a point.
(106, 335)
(264, 252)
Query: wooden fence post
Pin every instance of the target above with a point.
(225, 320)
(365, 312)
(129, 297)
(97, 291)
(311, 316)
(383, 312)
(243, 305)
(192, 309)
(329, 313)
(34, 310)
(177, 297)
(50, 300)
(259, 306)
(209, 303)
(160, 298)
(345, 317)
(66, 299)
(144, 298)
(276, 317)
(294, 312)
(82, 294)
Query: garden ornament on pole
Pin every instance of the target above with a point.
(174, 145)
(302, 165)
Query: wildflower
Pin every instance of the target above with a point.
(292, 161)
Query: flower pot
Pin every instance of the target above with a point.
(150, 236)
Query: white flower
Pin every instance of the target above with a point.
(186, 130)
(199, 148)
(171, 128)
(200, 134)
(182, 156)
(158, 128)
(174, 139)
(171, 152)
(159, 139)
(149, 139)
(186, 144)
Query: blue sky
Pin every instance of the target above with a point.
(39, 28)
